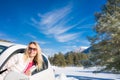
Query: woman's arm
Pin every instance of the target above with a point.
(8, 65)
(12, 62)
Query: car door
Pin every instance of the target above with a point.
(46, 73)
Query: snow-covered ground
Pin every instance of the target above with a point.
(79, 73)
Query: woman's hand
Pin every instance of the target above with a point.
(28, 72)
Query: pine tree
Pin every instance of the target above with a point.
(106, 42)
(59, 60)
(62, 61)
(69, 59)
(76, 59)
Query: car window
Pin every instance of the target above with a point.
(44, 65)
(45, 62)
(2, 48)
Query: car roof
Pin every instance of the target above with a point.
(8, 44)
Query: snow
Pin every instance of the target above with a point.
(80, 49)
(80, 73)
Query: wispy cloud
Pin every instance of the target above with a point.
(55, 23)
(54, 17)
(87, 26)
(34, 38)
(30, 35)
(66, 37)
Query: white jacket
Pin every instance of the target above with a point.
(15, 63)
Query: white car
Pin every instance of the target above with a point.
(7, 50)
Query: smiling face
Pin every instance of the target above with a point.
(32, 50)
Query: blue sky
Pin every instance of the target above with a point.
(57, 25)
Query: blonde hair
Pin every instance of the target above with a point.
(38, 58)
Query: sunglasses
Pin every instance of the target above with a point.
(30, 48)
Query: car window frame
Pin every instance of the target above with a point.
(3, 49)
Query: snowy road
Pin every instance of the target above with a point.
(79, 73)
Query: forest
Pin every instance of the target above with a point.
(69, 59)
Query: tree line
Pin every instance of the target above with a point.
(68, 59)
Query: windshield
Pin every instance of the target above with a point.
(2, 48)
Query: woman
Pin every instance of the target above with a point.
(24, 63)
(33, 56)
